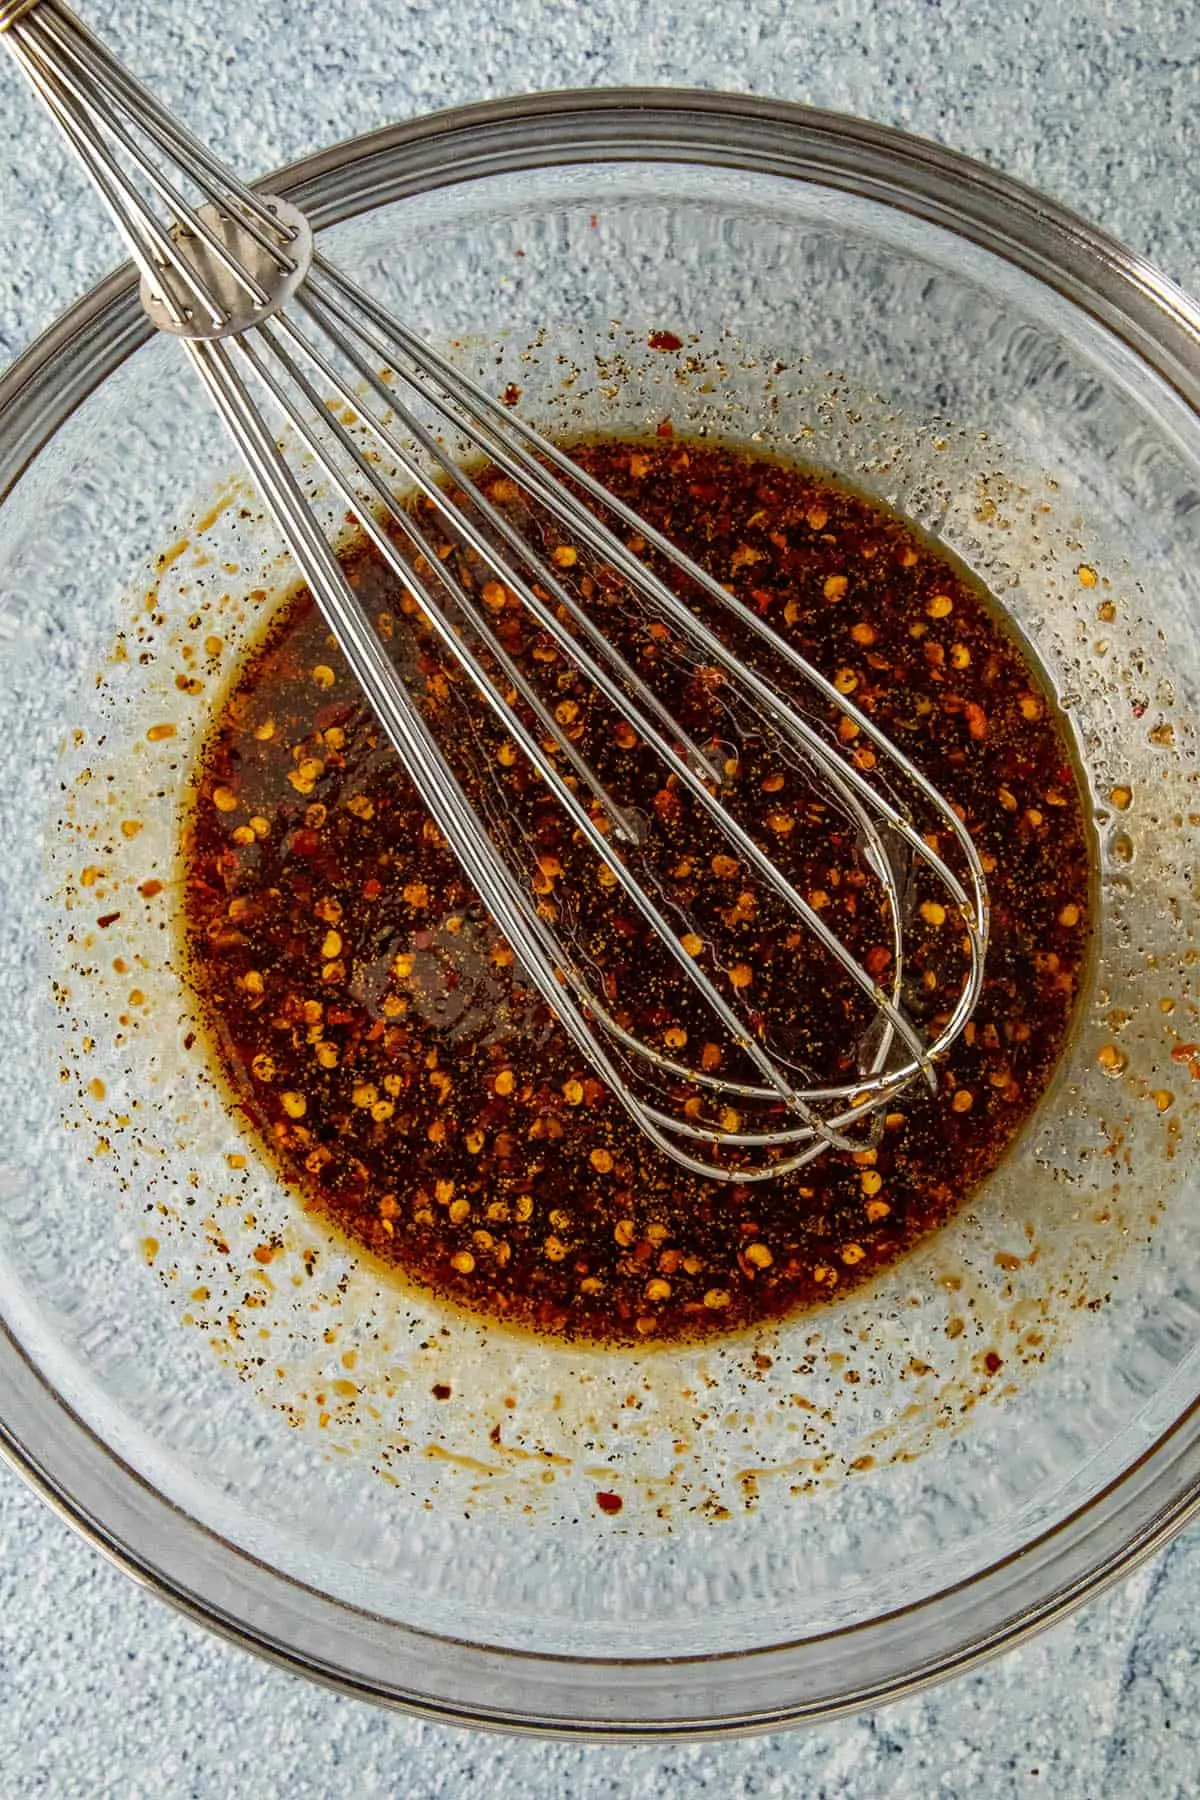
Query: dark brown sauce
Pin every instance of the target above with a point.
(374, 1029)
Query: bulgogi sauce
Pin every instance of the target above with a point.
(375, 1029)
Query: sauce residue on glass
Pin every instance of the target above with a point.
(373, 1027)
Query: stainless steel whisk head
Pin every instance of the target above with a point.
(548, 622)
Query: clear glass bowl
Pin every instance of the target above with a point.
(840, 1507)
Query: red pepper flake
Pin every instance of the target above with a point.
(148, 889)
(664, 340)
(107, 919)
(976, 719)
(609, 1503)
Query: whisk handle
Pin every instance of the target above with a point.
(210, 267)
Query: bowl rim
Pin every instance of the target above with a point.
(1143, 307)
(472, 1683)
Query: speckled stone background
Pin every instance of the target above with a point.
(103, 1691)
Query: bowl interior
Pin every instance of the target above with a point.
(805, 1486)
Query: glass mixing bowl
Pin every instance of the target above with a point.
(836, 1508)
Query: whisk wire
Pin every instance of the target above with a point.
(579, 817)
(609, 547)
(398, 345)
(524, 466)
(451, 810)
(503, 570)
(360, 393)
(383, 505)
(316, 304)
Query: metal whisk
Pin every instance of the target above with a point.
(275, 331)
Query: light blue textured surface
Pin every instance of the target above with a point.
(102, 1690)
